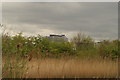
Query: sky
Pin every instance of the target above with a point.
(96, 19)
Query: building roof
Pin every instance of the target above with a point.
(56, 35)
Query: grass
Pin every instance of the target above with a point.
(15, 66)
(70, 68)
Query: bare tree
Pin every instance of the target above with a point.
(3, 27)
(81, 39)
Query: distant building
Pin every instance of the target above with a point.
(57, 38)
(97, 43)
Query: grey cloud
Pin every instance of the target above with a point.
(98, 19)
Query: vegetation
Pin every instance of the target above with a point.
(14, 67)
(40, 45)
(72, 68)
(17, 49)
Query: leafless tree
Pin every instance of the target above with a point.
(3, 27)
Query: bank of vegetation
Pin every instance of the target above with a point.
(18, 51)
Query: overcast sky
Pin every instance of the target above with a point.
(99, 20)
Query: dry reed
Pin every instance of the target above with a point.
(71, 68)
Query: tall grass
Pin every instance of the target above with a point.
(13, 67)
(71, 68)
(67, 67)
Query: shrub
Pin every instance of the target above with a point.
(82, 42)
(108, 49)
(61, 47)
(79, 45)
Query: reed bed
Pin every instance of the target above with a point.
(71, 68)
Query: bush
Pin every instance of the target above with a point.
(61, 47)
(82, 42)
(24, 45)
(79, 45)
(109, 49)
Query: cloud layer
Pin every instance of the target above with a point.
(99, 20)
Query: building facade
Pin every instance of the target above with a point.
(57, 38)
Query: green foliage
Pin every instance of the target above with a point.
(61, 47)
(108, 48)
(80, 45)
(24, 45)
